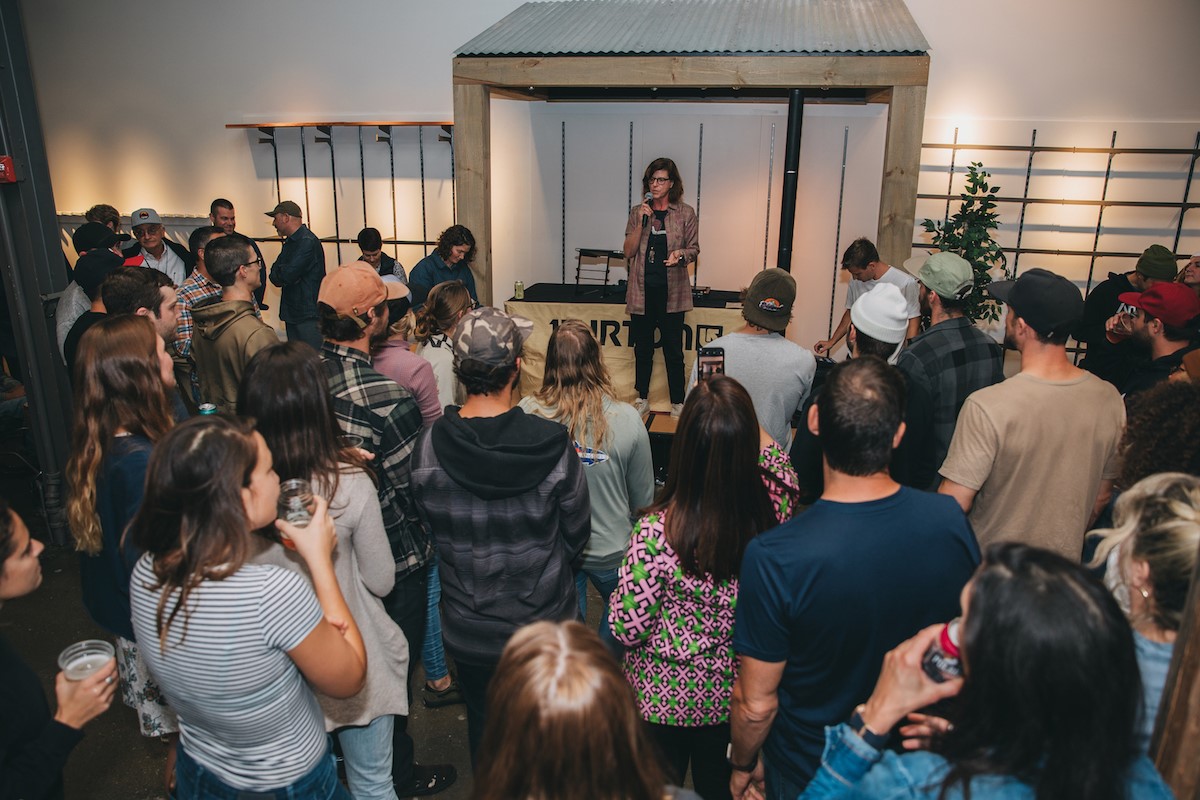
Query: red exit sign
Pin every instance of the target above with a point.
(7, 173)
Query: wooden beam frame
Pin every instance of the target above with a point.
(899, 81)
(901, 167)
(779, 72)
(473, 176)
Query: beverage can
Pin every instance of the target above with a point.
(208, 408)
(519, 290)
(943, 660)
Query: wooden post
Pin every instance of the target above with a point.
(1176, 744)
(901, 166)
(473, 176)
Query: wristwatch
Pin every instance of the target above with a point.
(739, 767)
(859, 726)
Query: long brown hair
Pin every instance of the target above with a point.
(563, 722)
(714, 495)
(443, 306)
(118, 386)
(193, 520)
(283, 388)
(576, 383)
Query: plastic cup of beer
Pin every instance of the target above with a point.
(350, 441)
(85, 658)
(295, 503)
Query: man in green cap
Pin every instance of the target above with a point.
(942, 366)
(1114, 362)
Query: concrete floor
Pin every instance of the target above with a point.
(113, 760)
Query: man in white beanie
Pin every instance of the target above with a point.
(879, 323)
(877, 328)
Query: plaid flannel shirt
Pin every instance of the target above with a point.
(944, 365)
(388, 418)
(195, 290)
(683, 233)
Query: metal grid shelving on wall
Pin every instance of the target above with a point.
(1111, 202)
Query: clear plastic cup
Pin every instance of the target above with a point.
(296, 502)
(85, 658)
(350, 441)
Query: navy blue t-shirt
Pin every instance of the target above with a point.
(832, 591)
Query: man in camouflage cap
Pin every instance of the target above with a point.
(505, 496)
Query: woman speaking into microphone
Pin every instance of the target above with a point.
(661, 238)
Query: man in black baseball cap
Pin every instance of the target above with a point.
(1033, 457)
(298, 273)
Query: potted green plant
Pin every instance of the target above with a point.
(969, 234)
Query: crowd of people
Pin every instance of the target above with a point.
(275, 533)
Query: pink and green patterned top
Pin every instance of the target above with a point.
(679, 628)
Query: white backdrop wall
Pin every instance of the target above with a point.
(134, 97)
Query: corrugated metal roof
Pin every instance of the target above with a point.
(686, 27)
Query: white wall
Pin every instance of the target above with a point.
(134, 97)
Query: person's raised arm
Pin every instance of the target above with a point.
(633, 230)
(332, 657)
(30, 766)
(823, 347)
(902, 687)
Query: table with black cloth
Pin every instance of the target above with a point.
(716, 313)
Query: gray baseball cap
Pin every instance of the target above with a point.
(491, 336)
(144, 216)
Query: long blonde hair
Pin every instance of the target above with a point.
(118, 386)
(444, 305)
(1158, 521)
(576, 383)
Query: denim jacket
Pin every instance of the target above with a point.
(851, 768)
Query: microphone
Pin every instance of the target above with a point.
(646, 198)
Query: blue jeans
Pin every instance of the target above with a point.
(432, 653)
(194, 782)
(367, 751)
(605, 582)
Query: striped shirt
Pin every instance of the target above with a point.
(245, 711)
(388, 418)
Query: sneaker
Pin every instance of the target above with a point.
(428, 779)
(435, 698)
(676, 409)
(642, 405)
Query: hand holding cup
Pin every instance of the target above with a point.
(314, 539)
(81, 701)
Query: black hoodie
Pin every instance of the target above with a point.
(506, 502)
